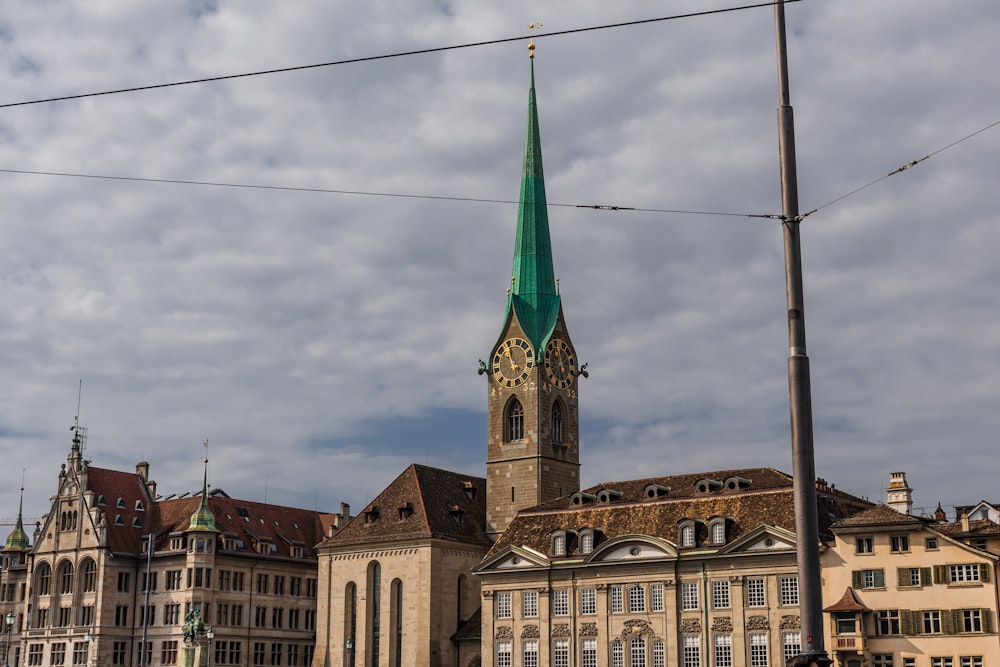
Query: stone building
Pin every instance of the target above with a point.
(117, 575)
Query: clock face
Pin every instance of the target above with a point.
(513, 361)
(560, 363)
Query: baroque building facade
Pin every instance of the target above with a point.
(117, 575)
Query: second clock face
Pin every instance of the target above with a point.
(513, 361)
(560, 363)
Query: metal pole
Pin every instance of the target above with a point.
(800, 401)
(9, 619)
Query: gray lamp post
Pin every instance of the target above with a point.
(10, 618)
(209, 635)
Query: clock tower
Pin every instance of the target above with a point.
(533, 449)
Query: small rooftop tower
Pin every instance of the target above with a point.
(899, 496)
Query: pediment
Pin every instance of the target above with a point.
(762, 538)
(513, 558)
(632, 547)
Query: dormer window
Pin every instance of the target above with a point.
(687, 532)
(297, 552)
(707, 485)
(470, 489)
(655, 491)
(405, 511)
(737, 483)
(139, 506)
(588, 538)
(608, 495)
(120, 504)
(457, 513)
(581, 498)
(118, 520)
(136, 523)
(371, 515)
(559, 543)
(717, 530)
(101, 500)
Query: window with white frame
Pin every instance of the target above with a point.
(504, 654)
(887, 621)
(504, 609)
(718, 532)
(758, 649)
(942, 662)
(636, 599)
(560, 602)
(971, 661)
(588, 600)
(617, 654)
(559, 544)
(791, 644)
(932, 622)
(899, 543)
(692, 651)
(530, 653)
(972, 620)
(529, 603)
(723, 651)
(755, 593)
(588, 653)
(586, 542)
(720, 594)
(616, 599)
(881, 659)
(909, 662)
(689, 595)
(788, 590)
(659, 654)
(560, 653)
(637, 652)
(656, 597)
(864, 545)
(965, 572)
(687, 536)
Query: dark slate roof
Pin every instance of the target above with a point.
(764, 497)
(471, 630)
(421, 503)
(117, 493)
(848, 602)
(880, 515)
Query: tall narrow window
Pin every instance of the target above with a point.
(374, 609)
(88, 573)
(515, 421)
(557, 423)
(43, 577)
(396, 612)
(351, 629)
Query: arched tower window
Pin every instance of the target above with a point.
(374, 613)
(396, 614)
(557, 423)
(43, 579)
(515, 421)
(65, 578)
(88, 576)
(350, 623)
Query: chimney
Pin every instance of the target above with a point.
(965, 522)
(142, 470)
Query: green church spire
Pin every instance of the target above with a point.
(203, 519)
(18, 539)
(533, 291)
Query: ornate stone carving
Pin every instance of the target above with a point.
(690, 626)
(757, 623)
(738, 580)
(504, 632)
(790, 622)
(487, 593)
(633, 627)
(588, 629)
(530, 632)
(722, 624)
(561, 631)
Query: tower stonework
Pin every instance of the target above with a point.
(533, 448)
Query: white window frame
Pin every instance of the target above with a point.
(788, 588)
(720, 594)
(636, 599)
(689, 595)
(616, 602)
(758, 649)
(529, 604)
(588, 601)
(723, 651)
(756, 592)
(503, 605)
(560, 602)
(656, 597)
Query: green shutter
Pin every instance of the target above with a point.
(984, 571)
(940, 574)
(906, 622)
(857, 579)
(948, 621)
(879, 578)
(925, 576)
(902, 577)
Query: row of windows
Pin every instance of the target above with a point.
(224, 653)
(644, 652)
(897, 544)
(225, 615)
(886, 660)
(928, 622)
(910, 577)
(514, 422)
(639, 598)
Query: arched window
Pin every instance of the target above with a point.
(65, 578)
(350, 623)
(374, 607)
(88, 576)
(396, 614)
(638, 652)
(687, 536)
(461, 587)
(557, 423)
(719, 532)
(586, 542)
(515, 421)
(43, 579)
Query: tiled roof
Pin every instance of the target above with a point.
(880, 515)
(763, 497)
(127, 508)
(422, 502)
(471, 630)
(977, 528)
(848, 602)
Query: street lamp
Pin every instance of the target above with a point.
(10, 618)
(209, 634)
(87, 637)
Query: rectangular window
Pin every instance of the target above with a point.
(144, 653)
(147, 615)
(311, 587)
(310, 620)
(504, 654)
(788, 589)
(588, 653)
(966, 572)
(864, 545)
(279, 584)
(173, 580)
(755, 593)
(260, 617)
(87, 615)
(887, 621)
(79, 653)
(692, 651)
(656, 597)
(931, 543)
(723, 651)
(35, 654)
(168, 653)
(881, 659)
(293, 619)
(529, 604)
(971, 661)
(689, 595)
(259, 653)
(900, 543)
(123, 582)
(636, 599)
(909, 662)
(149, 579)
(277, 617)
(560, 653)
(121, 616)
(972, 620)
(530, 654)
(171, 614)
(758, 649)
(617, 602)
(588, 600)
(659, 654)
(276, 650)
(504, 609)
(118, 652)
(617, 654)
(58, 654)
(560, 602)
(262, 583)
(932, 622)
(941, 662)
(791, 644)
(720, 594)
(295, 586)
(293, 655)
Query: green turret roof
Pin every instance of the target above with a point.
(18, 539)
(533, 295)
(203, 519)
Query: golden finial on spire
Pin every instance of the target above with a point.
(531, 41)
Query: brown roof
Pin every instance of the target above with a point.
(422, 502)
(879, 515)
(763, 497)
(977, 528)
(128, 510)
(848, 602)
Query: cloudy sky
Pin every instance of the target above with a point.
(322, 341)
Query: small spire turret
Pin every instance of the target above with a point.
(203, 519)
(18, 539)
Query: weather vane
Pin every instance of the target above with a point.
(531, 40)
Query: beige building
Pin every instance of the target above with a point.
(905, 591)
(119, 576)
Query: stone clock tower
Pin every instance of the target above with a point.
(533, 452)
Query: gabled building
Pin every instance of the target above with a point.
(118, 576)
